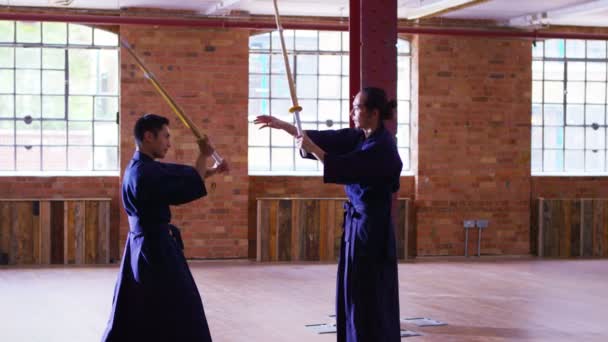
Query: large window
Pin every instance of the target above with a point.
(569, 107)
(319, 62)
(59, 91)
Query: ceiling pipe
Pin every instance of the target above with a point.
(270, 25)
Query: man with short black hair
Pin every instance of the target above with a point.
(155, 297)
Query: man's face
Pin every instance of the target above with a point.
(158, 144)
(361, 116)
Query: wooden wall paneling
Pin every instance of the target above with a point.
(587, 229)
(58, 212)
(103, 238)
(5, 231)
(45, 232)
(272, 232)
(284, 230)
(91, 231)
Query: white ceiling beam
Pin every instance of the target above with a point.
(225, 6)
(577, 10)
(428, 8)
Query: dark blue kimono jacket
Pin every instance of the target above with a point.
(155, 298)
(367, 292)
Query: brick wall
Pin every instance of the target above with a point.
(473, 143)
(205, 70)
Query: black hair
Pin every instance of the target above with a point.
(148, 123)
(375, 98)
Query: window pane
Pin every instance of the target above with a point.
(80, 133)
(7, 31)
(553, 160)
(537, 91)
(537, 70)
(53, 59)
(345, 88)
(554, 115)
(596, 71)
(7, 107)
(403, 46)
(80, 107)
(537, 160)
(105, 38)
(307, 64)
(259, 63)
(554, 137)
(329, 87)
(54, 158)
(7, 57)
(282, 159)
(576, 71)
(83, 74)
(537, 114)
(594, 114)
(305, 164)
(28, 32)
(6, 81)
(329, 41)
(554, 71)
(281, 138)
(80, 158)
(403, 135)
(106, 158)
(28, 81)
(575, 48)
(575, 114)
(259, 159)
(403, 112)
(259, 85)
(260, 41)
(53, 82)
(306, 40)
(28, 158)
(554, 48)
(576, 92)
(309, 110)
(306, 86)
(258, 107)
(106, 133)
(53, 107)
(329, 110)
(345, 65)
(107, 78)
(7, 158)
(28, 134)
(575, 160)
(80, 34)
(595, 160)
(54, 33)
(330, 65)
(106, 108)
(575, 138)
(596, 49)
(537, 137)
(280, 86)
(346, 41)
(595, 138)
(277, 64)
(287, 36)
(596, 92)
(54, 133)
(27, 105)
(554, 92)
(7, 132)
(280, 109)
(404, 154)
(257, 136)
(538, 49)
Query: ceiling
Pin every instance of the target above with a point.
(519, 13)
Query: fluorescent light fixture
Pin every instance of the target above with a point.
(578, 10)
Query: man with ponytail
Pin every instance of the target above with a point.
(366, 161)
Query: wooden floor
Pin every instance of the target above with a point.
(483, 300)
